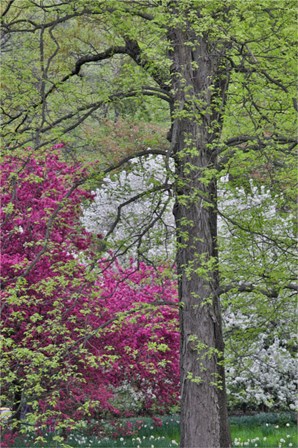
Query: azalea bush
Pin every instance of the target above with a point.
(76, 331)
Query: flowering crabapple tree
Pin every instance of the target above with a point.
(74, 334)
(44, 294)
(142, 347)
(265, 378)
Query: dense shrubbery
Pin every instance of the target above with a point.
(74, 335)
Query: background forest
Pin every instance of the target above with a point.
(148, 214)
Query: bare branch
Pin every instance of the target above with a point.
(138, 154)
(268, 238)
(108, 53)
(7, 8)
(240, 139)
(37, 26)
(250, 287)
(165, 187)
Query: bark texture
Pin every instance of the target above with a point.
(204, 422)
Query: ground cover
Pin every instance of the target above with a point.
(263, 431)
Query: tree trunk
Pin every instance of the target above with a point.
(204, 420)
(17, 405)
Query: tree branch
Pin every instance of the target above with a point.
(250, 287)
(165, 187)
(143, 308)
(88, 109)
(134, 51)
(247, 287)
(7, 8)
(262, 235)
(138, 154)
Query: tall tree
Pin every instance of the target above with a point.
(194, 75)
(226, 72)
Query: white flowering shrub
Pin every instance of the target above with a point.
(256, 242)
(133, 209)
(265, 377)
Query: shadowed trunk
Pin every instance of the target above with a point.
(204, 420)
(17, 405)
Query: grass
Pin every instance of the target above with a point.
(250, 432)
(264, 431)
(272, 436)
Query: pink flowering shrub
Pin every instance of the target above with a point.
(75, 336)
(144, 345)
(45, 297)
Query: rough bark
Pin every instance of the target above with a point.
(204, 421)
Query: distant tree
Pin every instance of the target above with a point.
(257, 241)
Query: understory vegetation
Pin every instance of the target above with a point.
(94, 341)
(262, 430)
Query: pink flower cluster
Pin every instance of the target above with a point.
(74, 336)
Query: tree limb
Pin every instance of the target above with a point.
(7, 8)
(250, 287)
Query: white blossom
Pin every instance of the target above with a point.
(137, 205)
